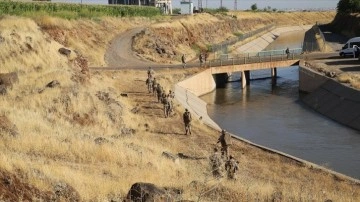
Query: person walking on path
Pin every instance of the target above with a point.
(154, 86)
(201, 59)
(150, 72)
(216, 164)
(231, 167)
(187, 121)
(183, 60)
(225, 141)
(167, 105)
(149, 83)
(159, 92)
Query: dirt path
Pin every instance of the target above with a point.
(120, 54)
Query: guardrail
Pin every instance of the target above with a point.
(248, 58)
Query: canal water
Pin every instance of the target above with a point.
(276, 118)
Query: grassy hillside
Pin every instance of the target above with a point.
(98, 132)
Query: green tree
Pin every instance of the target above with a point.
(254, 7)
(348, 6)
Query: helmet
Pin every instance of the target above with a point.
(186, 109)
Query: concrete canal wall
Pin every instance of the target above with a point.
(330, 98)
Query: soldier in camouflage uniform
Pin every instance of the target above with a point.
(150, 72)
(231, 167)
(154, 86)
(149, 82)
(225, 141)
(187, 121)
(159, 92)
(216, 163)
(171, 96)
(166, 103)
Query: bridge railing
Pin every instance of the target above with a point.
(248, 58)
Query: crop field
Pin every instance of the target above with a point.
(74, 11)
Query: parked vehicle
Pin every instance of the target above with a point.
(350, 48)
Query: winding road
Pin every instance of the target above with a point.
(121, 55)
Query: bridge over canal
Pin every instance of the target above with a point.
(244, 63)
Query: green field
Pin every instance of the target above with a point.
(74, 11)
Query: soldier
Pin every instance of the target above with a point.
(216, 164)
(163, 95)
(231, 167)
(159, 92)
(154, 85)
(201, 59)
(225, 141)
(287, 51)
(171, 96)
(183, 60)
(150, 72)
(166, 102)
(187, 121)
(149, 82)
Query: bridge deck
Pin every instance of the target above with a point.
(233, 67)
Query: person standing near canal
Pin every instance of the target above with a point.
(225, 141)
(187, 121)
(183, 60)
(287, 51)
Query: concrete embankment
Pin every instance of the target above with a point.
(330, 98)
(187, 93)
(264, 40)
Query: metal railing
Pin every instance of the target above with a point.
(258, 57)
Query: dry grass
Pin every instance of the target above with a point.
(350, 78)
(59, 127)
(89, 37)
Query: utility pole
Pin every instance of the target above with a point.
(235, 5)
(221, 3)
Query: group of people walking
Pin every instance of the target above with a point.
(220, 161)
(202, 59)
(158, 91)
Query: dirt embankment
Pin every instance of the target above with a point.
(166, 42)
